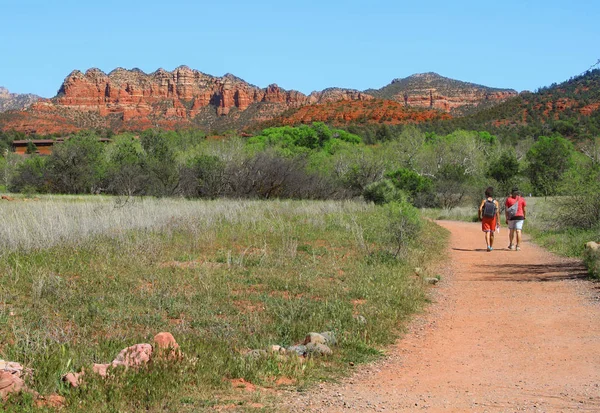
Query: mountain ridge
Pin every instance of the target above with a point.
(15, 101)
(128, 99)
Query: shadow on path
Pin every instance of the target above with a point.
(480, 249)
(534, 272)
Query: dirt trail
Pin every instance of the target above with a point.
(509, 331)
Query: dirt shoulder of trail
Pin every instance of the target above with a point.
(508, 331)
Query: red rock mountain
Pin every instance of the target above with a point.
(430, 90)
(133, 100)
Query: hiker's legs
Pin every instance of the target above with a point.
(511, 233)
(518, 228)
(491, 239)
(487, 239)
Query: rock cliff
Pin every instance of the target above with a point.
(133, 100)
(15, 101)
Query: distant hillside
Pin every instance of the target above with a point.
(571, 108)
(15, 101)
(433, 91)
(340, 113)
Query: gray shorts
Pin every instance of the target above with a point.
(516, 224)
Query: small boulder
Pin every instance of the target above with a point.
(298, 349)
(431, 280)
(54, 400)
(315, 338)
(74, 379)
(10, 382)
(330, 339)
(133, 356)
(276, 349)
(592, 246)
(101, 369)
(165, 344)
(318, 349)
(11, 366)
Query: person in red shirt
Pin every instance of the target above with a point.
(490, 219)
(515, 211)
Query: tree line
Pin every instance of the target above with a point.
(310, 162)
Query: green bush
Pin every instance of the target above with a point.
(383, 192)
(30, 176)
(410, 181)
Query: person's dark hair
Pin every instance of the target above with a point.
(489, 192)
(515, 191)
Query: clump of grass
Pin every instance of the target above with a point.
(463, 213)
(222, 276)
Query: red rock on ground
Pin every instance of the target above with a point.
(165, 342)
(54, 400)
(133, 356)
(10, 383)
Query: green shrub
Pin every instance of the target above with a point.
(419, 188)
(383, 192)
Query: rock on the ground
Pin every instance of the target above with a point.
(54, 400)
(133, 356)
(166, 345)
(318, 349)
(10, 382)
(298, 349)
(314, 338)
(330, 339)
(101, 369)
(277, 349)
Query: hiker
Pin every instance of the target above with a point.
(515, 210)
(489, 214)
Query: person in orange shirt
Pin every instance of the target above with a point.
(489, 215)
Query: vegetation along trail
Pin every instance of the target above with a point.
(509, 331)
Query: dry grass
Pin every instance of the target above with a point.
(84, 277)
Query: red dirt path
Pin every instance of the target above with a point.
(509, 331)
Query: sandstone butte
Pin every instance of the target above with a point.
(133, 100)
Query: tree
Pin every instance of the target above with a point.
(160, 164)
(31, 148)
(202, 176)
(76, 165)
(549, 158)
(30, 176)
(504, 170)
(125, 167)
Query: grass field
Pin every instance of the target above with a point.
(84, 277)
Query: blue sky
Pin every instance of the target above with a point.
(306, 46)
